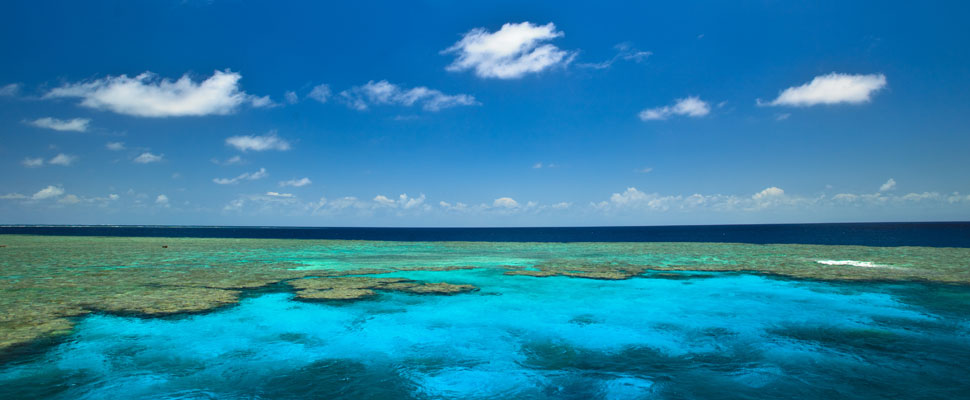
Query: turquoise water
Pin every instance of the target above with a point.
(690, 335)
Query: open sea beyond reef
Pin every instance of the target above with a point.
(760, 311)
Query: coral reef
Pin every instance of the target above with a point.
(611, 271)
(46, 281)
(353, 288)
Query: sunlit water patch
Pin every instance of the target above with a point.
(697, 335)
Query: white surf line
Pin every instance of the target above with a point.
(864, 264)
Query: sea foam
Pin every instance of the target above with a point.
(864, 264)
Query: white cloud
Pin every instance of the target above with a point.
(644, 170)
(147, 95)
(113, 197)
(115, 146)
(403, 201)
(62, 160)
(505, 202)
(162, 200)
(248, 176)
(540, 165)
(32, 162)
(48, 192)
(459, 206)
(889, 185)
(146, 158)
(320, 93)
(771, 198)
(296, 182)
(277, 194)
(10, 90)
(511, 52)
(260, 102)
(76, 124)
(384, 201)
(268, 141)
(691, 106)
(562, 205)
(633, 199)
(386, 93)
(833, 88)
(12, 196)
(769, 193)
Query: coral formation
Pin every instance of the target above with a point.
(353, 288)
(581, 269)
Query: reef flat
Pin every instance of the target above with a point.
(47, 282)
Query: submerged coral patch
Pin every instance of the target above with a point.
(583, 269)
(354, 288)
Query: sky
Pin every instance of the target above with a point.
(499, 113)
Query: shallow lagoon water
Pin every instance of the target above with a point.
(683, 334)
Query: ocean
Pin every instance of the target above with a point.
(931, 234)
(815, 311)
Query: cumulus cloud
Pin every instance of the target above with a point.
(75, 124)
(403, 201)
(48, 192)
(147, 158)
(833, 88)
(505, 202)
(889, 185)
(296, 182)
(162, 200)
(511, 52)
(10, 90)
(268, 141)
(277, 194)
(147, 95)
(691, 106)
(32, 162)
(115, 146)
(386, 93)
(248, 176)
(633, 199)
(769, 193)
(12, 196)
(320, 93)
(62, 160)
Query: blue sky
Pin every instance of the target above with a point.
(486, 114)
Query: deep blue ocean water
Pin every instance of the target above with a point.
(931, 234)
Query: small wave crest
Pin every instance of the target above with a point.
(864, 264)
